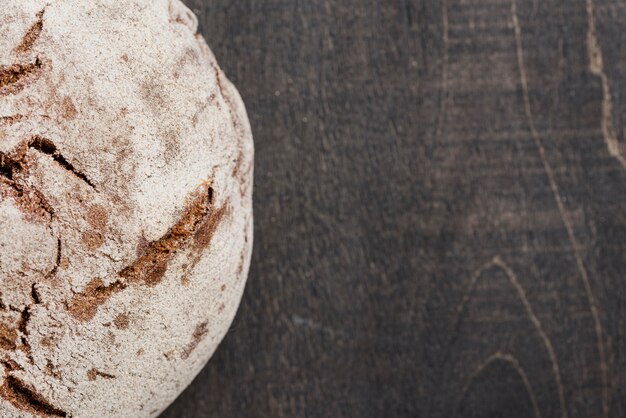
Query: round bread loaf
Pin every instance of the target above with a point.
(126, 162)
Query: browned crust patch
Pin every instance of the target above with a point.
(10, 365)
(93, 374)
(92, 240)
(8, 335)
(31, 35)
(47, 341)
(84, 306)
(51, 370)
(206, 230)
(68, 110)
(10, 120)
(184, 280)
(121, 321)
(202, 240)
(32, 203)
(26, 398)
(13, 78)
(97, 217)
(199, 334)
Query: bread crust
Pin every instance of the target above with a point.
(126, 165)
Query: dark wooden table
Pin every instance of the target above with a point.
(440, 210)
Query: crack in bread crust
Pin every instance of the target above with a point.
(26, 398)
(194, 229)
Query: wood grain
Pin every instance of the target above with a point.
(440, 206)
